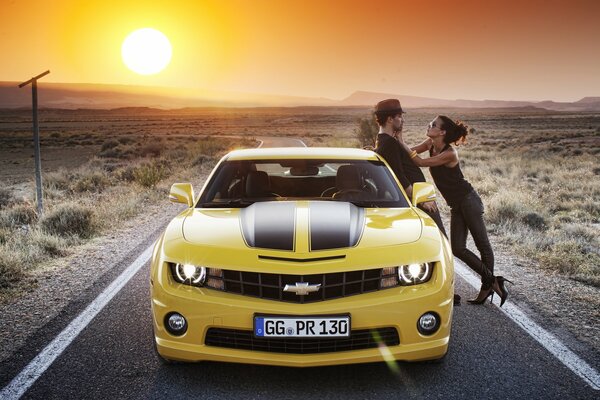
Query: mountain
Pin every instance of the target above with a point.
(371, 98)
(74, 95)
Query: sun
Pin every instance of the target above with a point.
(146, 51)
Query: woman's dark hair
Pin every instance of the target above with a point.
(456, 132)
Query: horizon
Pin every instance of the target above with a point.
(505, 51)
(174, 88)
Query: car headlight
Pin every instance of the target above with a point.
(406, 275)
(189, 274)
(414, 274)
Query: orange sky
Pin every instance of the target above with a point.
(512, 50)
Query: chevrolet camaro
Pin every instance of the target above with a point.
(302, 257)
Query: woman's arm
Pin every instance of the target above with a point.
(446, 157)
(423, 146)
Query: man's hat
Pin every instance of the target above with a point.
(389, 105)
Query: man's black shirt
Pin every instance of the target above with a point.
(399, 160)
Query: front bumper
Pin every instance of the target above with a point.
(398, 307)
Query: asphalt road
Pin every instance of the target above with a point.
(490, 357)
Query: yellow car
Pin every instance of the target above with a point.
(302, 257)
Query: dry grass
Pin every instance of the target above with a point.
(537, 172)
(95, 197)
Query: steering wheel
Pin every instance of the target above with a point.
(349, 194)
(328, 192)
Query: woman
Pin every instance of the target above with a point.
(465, 204)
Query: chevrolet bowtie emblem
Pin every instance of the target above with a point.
(302, 288)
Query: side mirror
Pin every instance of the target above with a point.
(422, 192)
(182, 193)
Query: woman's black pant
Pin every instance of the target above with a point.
(468, 217)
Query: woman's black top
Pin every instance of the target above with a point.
(450, 182)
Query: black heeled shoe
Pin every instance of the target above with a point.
(500, 281)
(483, 295)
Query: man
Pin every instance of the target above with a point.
(388, 114)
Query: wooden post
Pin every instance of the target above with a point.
(36, 140)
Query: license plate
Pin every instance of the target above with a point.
(278, 326)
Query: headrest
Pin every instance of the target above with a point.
(257, 184)
(347, 178)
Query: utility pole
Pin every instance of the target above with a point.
(36, 140)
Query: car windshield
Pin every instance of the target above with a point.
(241, 183)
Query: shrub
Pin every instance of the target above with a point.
(118, 152)
(126, 140)
(151, 149)
(503, 210)
(5, 234)
(568, 257)
(534, 221)
(11, 269)
(366, 132)
(149, 174)
(201, 159)
(22, 214)
(210, 147)
(59, 180)
(94, 182)
(125, 174)
(109, 144)
(51, 245)
(70, 220)
(6, 198)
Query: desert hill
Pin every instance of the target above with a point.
(99, 96)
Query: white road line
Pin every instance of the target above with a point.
(542, 336)
(19, 385)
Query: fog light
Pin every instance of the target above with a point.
(175, 324)
(428, 323)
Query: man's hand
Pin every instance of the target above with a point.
(430, 206)
(408, 191)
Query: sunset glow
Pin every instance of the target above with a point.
(533, 50)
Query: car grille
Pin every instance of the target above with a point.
(358, 340)
(333, 285)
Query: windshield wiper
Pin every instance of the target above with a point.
(233, 203)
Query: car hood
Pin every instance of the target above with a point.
(302, 226)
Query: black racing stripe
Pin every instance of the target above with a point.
(335, 225)
(269, 225)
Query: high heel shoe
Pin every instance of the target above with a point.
(483, 295)
(500, 282)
